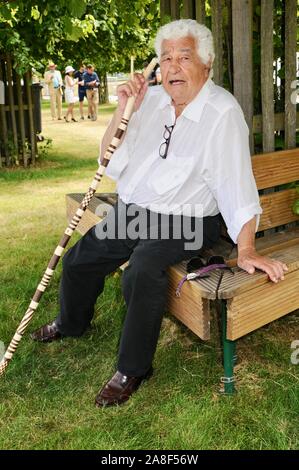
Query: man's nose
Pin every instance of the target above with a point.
(174, 66)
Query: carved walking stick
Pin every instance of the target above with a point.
(71, 228)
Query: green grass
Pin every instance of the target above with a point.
(48, 391)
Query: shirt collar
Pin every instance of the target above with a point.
(194, 109)
(165, 99)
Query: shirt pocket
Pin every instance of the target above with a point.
(171, 174)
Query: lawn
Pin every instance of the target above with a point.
(47, 393)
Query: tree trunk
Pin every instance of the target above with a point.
(165, 9)
(103, 90)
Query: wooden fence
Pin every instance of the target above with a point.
(244, 31)
(18, 122)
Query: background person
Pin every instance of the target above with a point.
(53, 79)
(92, 83)
(81, 89)
(69, 92)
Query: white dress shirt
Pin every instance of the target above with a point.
(208, 159)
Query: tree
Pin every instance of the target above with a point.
(31, 31)
(125, 28)
(106, 32)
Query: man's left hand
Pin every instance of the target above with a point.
(249, 260)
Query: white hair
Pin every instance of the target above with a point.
(184, 28)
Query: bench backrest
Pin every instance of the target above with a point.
(273, 170)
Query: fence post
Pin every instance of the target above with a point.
(21, 120)
(12, 109)
(217, 30)
(242, 54)
(30, 114)
(3, 123)
(200, 11)
(290, 72)
(267, 86)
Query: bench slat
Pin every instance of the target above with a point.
(277, 209)
(276, 168)
(262, 305)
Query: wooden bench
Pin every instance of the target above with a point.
(247, 301)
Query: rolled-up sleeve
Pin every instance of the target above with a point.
(229, 175)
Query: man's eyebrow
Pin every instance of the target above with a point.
(187, 49)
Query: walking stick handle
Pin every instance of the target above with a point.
(70, 229)
(130, 103)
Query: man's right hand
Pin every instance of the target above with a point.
(136, 87)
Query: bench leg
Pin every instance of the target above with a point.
(229, 355)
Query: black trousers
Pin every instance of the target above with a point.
(144, 284)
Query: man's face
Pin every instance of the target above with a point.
(183, 73)
(90, 71)
(52, 68)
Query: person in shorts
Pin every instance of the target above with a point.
(81, 89)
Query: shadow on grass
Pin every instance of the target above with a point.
(55, 166)
(106, 108)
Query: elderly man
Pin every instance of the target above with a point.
(54, 81)
(186, 144)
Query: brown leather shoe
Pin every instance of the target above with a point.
(46, 333)
(119, 389)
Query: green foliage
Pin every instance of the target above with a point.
(125, 29)
(105, 33)
(296, 207)
(32, 30)
(44, 147)
(296, 203)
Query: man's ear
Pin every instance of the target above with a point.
(208, 67)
